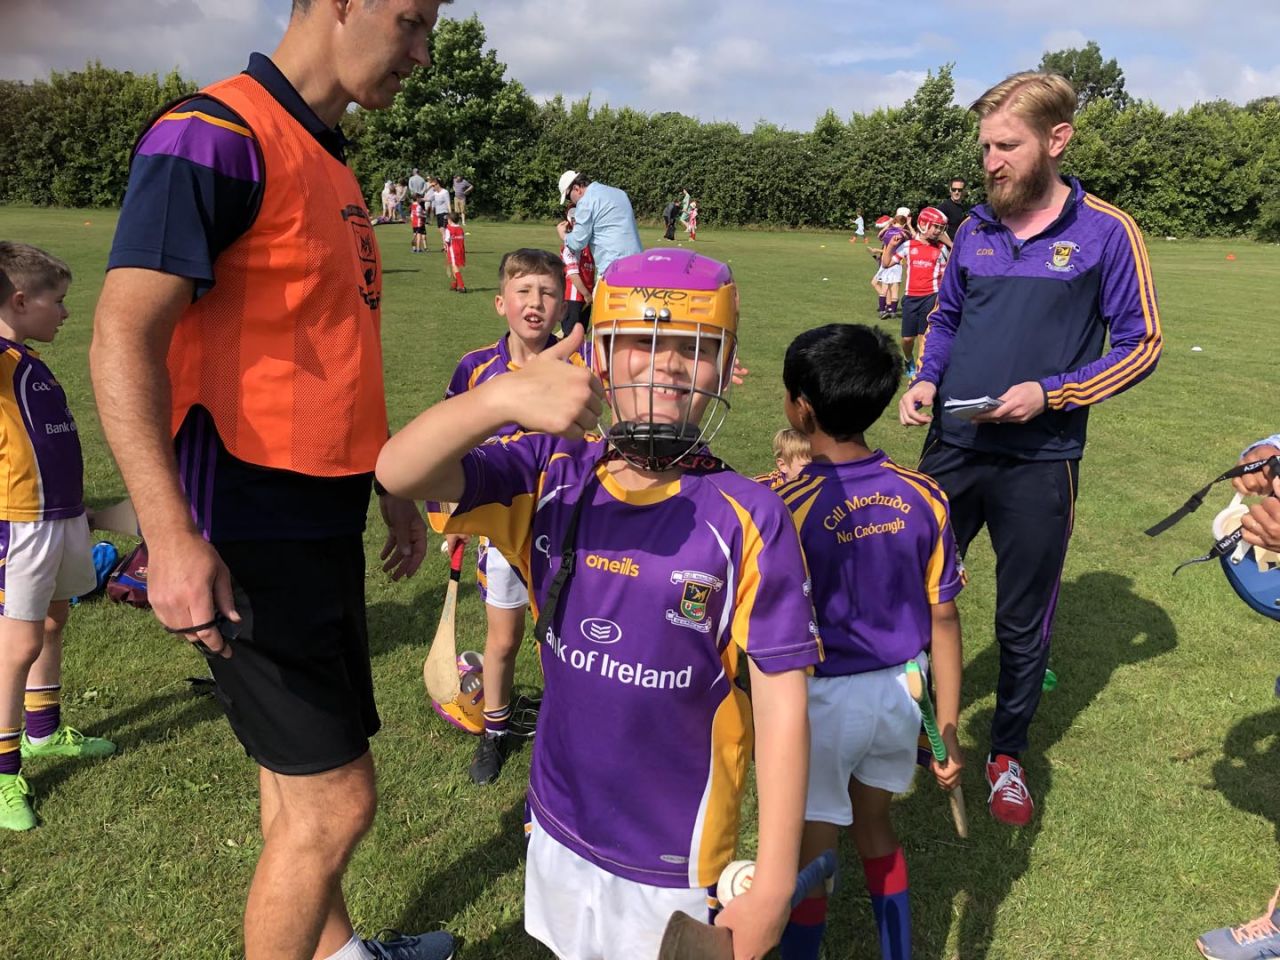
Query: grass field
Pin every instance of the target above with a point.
(1155, 764)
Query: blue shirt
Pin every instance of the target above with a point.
(1040, 309)
(604, 221)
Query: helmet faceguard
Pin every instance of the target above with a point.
(661, 294)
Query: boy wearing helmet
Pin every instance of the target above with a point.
(923, 258)
(653, 568)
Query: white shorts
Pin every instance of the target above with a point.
(891, 274)
(863, 727)
(502, 587)
(42, 561)
(582, 912)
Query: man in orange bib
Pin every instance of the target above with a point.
(237, 364)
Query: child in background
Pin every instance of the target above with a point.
(859, 229)
(579, 280)
(880, 550)
(693, 220)
(455, 247)
(45, 554)
(790, 455)
(529, 299)
(418, 222)
(922, 258)
(877, 280)
(653, 569)
(891, 273)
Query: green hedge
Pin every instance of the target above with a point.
(1212, 170)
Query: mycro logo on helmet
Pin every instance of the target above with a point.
(626, 567)
(655, 293)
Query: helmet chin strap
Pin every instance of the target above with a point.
(653, 446)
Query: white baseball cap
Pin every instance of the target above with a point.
(566, 181)
(904, 212)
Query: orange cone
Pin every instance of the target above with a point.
(1231, 256)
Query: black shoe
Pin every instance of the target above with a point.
(490, 755)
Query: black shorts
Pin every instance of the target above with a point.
(421, 231)
(915, 314)
(441, 220)
(297, 689)
(576, 312)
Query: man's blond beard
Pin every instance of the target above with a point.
(1022, 194)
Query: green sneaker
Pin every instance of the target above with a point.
(15, 808)
(67, 741)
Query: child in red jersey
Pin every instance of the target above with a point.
(418, 221)
(923, 259)
(455, 248)
(579, 281)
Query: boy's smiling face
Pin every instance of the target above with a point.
(681, 365)
(533, 305)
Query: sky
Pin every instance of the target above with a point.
(737, 60)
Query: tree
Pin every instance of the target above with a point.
(463, 116)
(1092, 78)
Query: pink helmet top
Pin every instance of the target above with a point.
(667, 268)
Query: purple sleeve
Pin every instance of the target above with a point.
(944, 319)
(773, 620)
(1128, 303)
(500, 490)
(459, 383)
(195, 185)
(945, 576)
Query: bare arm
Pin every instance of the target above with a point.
(780, 705)
(134, 322)
(948, 664)
(424, 460)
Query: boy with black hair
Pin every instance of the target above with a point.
(45, 556)
(879, 546)
(653, 569)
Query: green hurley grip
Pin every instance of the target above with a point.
(930, 722)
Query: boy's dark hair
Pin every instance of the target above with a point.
(28, 268)
(847, 371)
(526, 261)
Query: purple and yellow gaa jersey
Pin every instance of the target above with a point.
(41, 468)
(644, 738)
(881, 551)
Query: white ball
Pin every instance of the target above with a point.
(735, 879)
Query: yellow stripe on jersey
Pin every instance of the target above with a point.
(1130, 368)
(479, 371)
(208, 118)
(938, 558)
(797, 488)
(748, 584)
(719, 817)
(20, 495)
(801, 513)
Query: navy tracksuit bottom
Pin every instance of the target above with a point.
(1027, 507)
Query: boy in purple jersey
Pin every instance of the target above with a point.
(878, 540)
(530, 298)
(45, 557)
(652, 568)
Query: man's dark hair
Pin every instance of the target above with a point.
(847, 371)
(963, 181)
(582, 181)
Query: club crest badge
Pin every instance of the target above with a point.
(696, 589)
(1063, 251)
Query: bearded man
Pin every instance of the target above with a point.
(1041, 277)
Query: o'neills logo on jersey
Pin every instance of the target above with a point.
(626, 567)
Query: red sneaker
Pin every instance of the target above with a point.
(1010, 800)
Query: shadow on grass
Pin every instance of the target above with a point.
(393, 625)
(1101, 625)
(457, 883)
(1250, 765)
(148, 721)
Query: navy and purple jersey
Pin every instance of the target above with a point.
(881, 552)
(485, 363)
(644, 739)
(1040, 309)
(195, 187)
(41, 467)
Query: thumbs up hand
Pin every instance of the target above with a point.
(552, 395)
